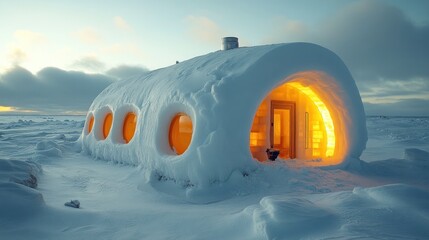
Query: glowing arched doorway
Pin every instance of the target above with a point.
(297, 119)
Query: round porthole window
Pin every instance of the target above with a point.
(180, 133)
(129, 127)
(107, 125)
(90, 123)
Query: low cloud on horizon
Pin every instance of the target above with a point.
(56, 91)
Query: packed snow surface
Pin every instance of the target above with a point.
(385, 196)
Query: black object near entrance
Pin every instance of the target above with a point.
(272, 153)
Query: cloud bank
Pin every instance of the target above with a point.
(51, 90)
(55, 91)
(386, 52)
(379, 41)
(125, 71)
(90, 63)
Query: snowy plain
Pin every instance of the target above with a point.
(385, 196)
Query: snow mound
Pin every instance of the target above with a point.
(279, 217)
(397, 195)
(415, 154)
(17, 196)
(20, 123)
(59, 137)
(45, 145)
(414, 166)
(51, 152)
(48, 148)
(20, 172)
(18, 201)
(398, 209)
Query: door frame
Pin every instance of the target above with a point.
(291, 106)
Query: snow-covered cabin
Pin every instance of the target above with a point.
(204, 118)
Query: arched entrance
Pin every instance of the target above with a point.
(296, 119)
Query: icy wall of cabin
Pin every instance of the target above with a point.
(221, 92)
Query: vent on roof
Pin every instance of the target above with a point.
(229, 43)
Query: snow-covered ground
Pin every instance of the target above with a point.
(386, 196)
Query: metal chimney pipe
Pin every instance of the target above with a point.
(229, 43)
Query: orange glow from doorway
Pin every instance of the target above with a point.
(326, 116)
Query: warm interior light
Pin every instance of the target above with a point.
(257, 133)
(253, 139)
(107, 125)
(326, 116)
(180, 133)
(307, 132)
(17, 110)
(129, 127)
(277, 128)
(90, 123)
(281, 131)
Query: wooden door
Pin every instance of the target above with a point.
(283, 128)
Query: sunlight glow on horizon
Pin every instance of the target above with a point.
(9, 109)
(6, 109)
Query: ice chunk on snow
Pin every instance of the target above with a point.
(73, 204)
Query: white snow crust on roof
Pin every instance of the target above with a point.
(221, 92)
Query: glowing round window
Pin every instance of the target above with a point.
(180, 134)
(129, 126)
(107, 125)
(90, 123)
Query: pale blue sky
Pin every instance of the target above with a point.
(96, 36)
(160, 31)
